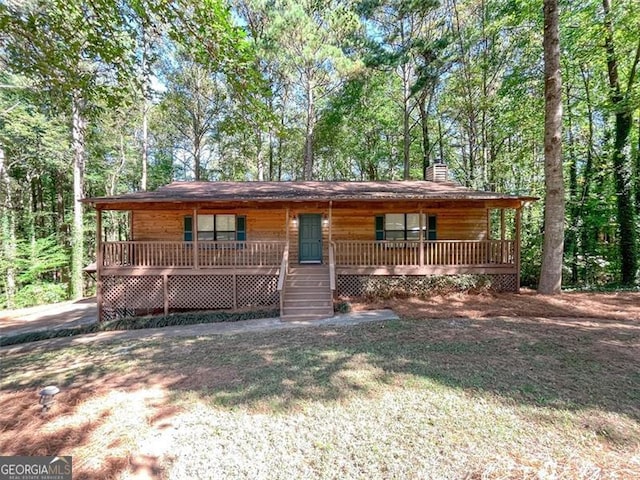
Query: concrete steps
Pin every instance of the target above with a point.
(307, 293)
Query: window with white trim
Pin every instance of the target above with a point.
(405, 226)
(218, 227)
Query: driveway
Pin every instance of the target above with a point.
(47, 317)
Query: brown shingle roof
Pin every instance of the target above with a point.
(304, 191)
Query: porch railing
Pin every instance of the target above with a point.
(440, 253)
(187, 255)
(344, 253)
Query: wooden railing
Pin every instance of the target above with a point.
(341, 253)
(441, 252)
(187, 255)
(332, 267)
(282, 277)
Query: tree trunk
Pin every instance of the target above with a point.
(551, 273)
(145, 110)
(307, 173)
(260, 154)
(574, 217)
(8, 235)
(621, 167)
(145, 144)
(586, 237)
(637, 172)
(406, 124)
(426, 142)
(77, 236)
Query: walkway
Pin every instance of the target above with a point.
(48, 317)
(200, 330)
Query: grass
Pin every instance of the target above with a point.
(479, 398)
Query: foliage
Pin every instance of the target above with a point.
(346, 90)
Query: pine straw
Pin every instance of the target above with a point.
(478, 397)
(527, 304)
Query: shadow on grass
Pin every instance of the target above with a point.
(561, 364)
(69, 427)
(564, 365)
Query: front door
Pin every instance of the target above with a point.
(310, 237)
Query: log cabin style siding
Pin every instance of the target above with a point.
(160, 269)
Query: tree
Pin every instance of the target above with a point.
(551, 272)
(400, 39)
(621, 101)
(68, 48)
(193, 106)
(308, 37)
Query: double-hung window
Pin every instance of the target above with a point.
(405, 226)
(219, 227)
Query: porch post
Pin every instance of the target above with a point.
(165, 293)
(421, 237)
(286, 226)
(503, 246)
(194, 226)
(330, 220)
(488, 223)
(99, 262)
(517, 247)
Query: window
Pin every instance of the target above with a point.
(222, 227)
(405, 226)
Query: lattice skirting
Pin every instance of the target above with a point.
(383, 285)
(257, 290)
(126, 296)
(200, 292)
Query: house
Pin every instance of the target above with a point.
(215, 245)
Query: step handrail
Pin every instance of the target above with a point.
(332, 268)
(284, 270)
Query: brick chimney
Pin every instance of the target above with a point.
(437, 171)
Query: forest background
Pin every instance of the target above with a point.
(106, 97)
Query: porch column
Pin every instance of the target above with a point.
(421, 237)
(503, 246)
(330, 220)
(99, 262)
(286, 226)
(194, 226)
(517, 247)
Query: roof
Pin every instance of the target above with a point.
(185, 192)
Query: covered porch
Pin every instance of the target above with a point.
(204, 246)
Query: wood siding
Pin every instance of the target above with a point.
(150, 225)
(353, 222)
(452, 224)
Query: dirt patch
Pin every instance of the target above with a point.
(100, 422)
(607, 306)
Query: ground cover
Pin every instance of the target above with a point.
(459, 397)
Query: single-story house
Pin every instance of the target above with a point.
(215, 245)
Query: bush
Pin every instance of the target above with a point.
(382, 288)
(40, 293)
(342, 307)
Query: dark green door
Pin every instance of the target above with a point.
(310, 236)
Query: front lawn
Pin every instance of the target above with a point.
(458, 398)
